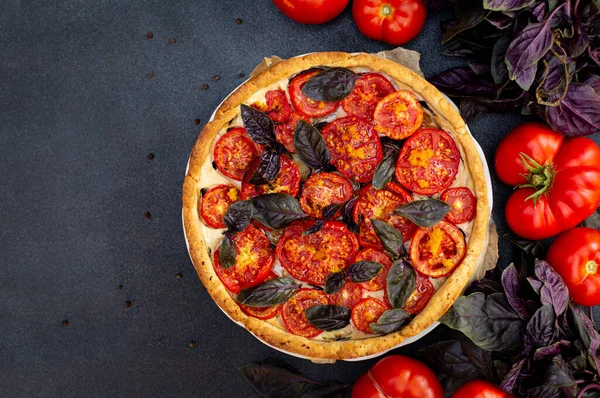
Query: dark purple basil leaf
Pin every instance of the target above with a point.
(502, 368)
(551, 350)
(524, 52)
(310, 146)
(425, 213)
(273, 381)
(384, 171)
(498, 65)
(469, 18)
(273, 292)
(589, 336)
(328, 317)
(510, 380)
(506, 5)
(438, 5)
(276, 210)
(578, 113)
(488, 321)
(545, 391)
(594, 55)
(535, 285)
(499, 20)
(401, 282)
(591, 391)
(471, 109)
(267, 168)
(347, 211)
(594, 82)
(463, 82)
(390, 321)
(363, 271)
(315, 227)
(578, 44)
(238, 216)
(479, 68)
(331, 85)
(390, 146)
(589, 10)
(460, 49)
(480, 358)
(577, 364)
(557, 76)
(541, 329)
(554, 291)
(538, 10)
(331, 210)
(390, 237)
(227, 252)
(258, 125)
(326, 390)
(485, 286)
(531, 247)
(558, 374)
(335, 282)
(512, 285)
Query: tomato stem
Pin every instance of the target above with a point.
(591, 267)
(386, 10)
(538, 177)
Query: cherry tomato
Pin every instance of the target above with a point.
(428, 162)
(575, 255)
(216, 202)
(233, 153)
(348, 296)
(276, 107)
(398, 376)
(284, 132)
(420, 296)
(560, 178)
(253, 262)
(354, 146)
(368, 311)
(305, 105)
(379, 281)
(263, 313)
(323, 189)
(437, 250)
(293, 312)
(480, 389)
(393, 21)
(286, 181)
(313, 257)
(398, 115)
(380, 204)
(369, 88)
(463, 203)
(311, 11)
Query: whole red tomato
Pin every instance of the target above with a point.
(393, 21)
(398, 376)
(480, 389)
(575, 255)
(311, 11)
(558, 180)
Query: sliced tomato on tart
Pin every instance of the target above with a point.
(368, 90)
(306, 106)
(438, 250)
(284, 132)
(323, 189)
(234, 152)
(420, 296)
(462, 202)
(398, 115)
(293, 312)
(215, 203)
(286, 181)
(348, 296)
(276, 106)
(262, 312)
(368, 311)
(370, 254)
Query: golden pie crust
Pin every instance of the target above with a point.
(449, 120)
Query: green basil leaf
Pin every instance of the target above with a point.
(276, 210)
(390, 321)
(401, 282)
(258, 126)
(335, 282)
(269, 293)
(328, 317)
(390, 237)
(489, 322)
(310, 146)
(227, 252)
(425, 213)
(363, 271)
(267, 168)
(331, 85)
(238, 215)
(384, 171)
(316, 227)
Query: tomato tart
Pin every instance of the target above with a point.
(336, 205)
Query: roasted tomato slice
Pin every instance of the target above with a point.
(375, 255)
(379, 204)
(436, 251)
(284, 132)
(262, 312)
(348, 296)
(276, 107)
(323, 189)
(428, 162)
(253, 261)
(398, 115)
(420, 296)
(234, 151)
(293, 311)
(305, 105)
(369, 89)
(355, 147)
(368, 311)
(216, 202)
(286, 181)
(463, 203)
(312, 257)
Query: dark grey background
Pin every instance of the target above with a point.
(79, 115)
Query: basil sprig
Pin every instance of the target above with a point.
(328, 317)
(425, 213)
(390, 321)
(401, 282)
(331, 85)
(276, 210)
(268, 167)
(390, 237)
(273, 292)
